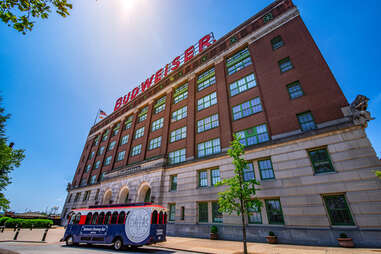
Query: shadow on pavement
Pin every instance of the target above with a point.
(4, 251)
(124, 250)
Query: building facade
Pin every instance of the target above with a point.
(267, 81)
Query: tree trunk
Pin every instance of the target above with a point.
(243, 226)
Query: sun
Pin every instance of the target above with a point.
(127, 5)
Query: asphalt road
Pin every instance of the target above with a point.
(37, 248)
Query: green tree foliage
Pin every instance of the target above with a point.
(378, 173)
(240, 197)
(21, 14)
(9, 159)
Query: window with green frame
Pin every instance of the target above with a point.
(320, 160)
(206, 79)
(172, 212)
(147, 197)
(267, 17)
(105, 135)
(294, 90)
(247, 108)
(157, 124)
(203, 212)
(178, 134)
(179, 114)
(238, 61)
(177, 156)
(215, 176)
(285, 65)
(266, 169)
(255, 216)
(139, 133)
(116, 130)
(203, 178)
(136, 150)
(207, 123)
(306, 121)
(242, 84)
(207, 101)
(274, 211)
(143, 114)
(128, 123)
(181, 93)
(159, 105)
(248, 172)
(338, 210)
(154, 143)
(254, 135)
(209, 147)
(173, 180)
(217, 216)
(277, 42)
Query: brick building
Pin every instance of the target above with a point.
(267, 81)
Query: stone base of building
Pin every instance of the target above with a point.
(370, 238)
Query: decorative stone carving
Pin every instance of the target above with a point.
(358, 107)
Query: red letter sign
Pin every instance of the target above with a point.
(158, 75)
(189, 53)
(175, 63)
(147, 84)
(118, 103)
(204, 43)
(134, 92)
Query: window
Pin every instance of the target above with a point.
(147, 197)
(176, 156)
(238, 61)
(207, 101)
(105, 135)
(124, 140)
(216, 215)
(101, 150)
(172, 212)
(159, 105)
(207, 123)
(97, 164)
(254, 216)
(295, 90)
(285, 65)
(94, 219)
(266, 169)
(121, 155)
(242, 85)
(255, 135)
(181, 93)
(215, 173)
(96, 141)
(248, 172)
(320, 160)
(267, 17)
(107, 218)
(128, 123)
(108, 160)
(83, 182)
(114, 218)
(121, 218)
(247, 108)
(101, 176)
(182, 213)
(178, 134)
(116, 129)
(111, 145)
(306, 121)
(69, 199)
(277, 42)
(143, 114)
(179, 114)
(203, 212)
(173, 180)
(91, 155)
(86, 196)
(338, 210)
(101, 218)
(88, 168)
(206, 79)
(209, 147)
(139, 133)
(157, 124)
(136, 150)
(88, 218)
(203, 178)
(97, 194)
(274, 211)
(154, 143)
(77, 196)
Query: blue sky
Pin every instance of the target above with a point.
(54, 79)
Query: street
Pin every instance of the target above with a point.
(37, 248)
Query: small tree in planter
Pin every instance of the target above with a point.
(240, 196)
(272, 238)
(345, 241)
(213, 232)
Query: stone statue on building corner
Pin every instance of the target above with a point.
(359, 107)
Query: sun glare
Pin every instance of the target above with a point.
(127, 5)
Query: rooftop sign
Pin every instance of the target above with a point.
(178, 61)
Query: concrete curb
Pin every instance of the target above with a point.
(171, 248)
(16, 241)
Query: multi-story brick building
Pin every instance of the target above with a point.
(267, 81)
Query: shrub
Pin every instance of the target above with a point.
(213, 229)
(343, 235)
(3, 220)
(27, 223)
(271, 233)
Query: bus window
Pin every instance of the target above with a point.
(77, 218)
(107, 218)
(94, 220)
(88, 218)
(114, 217)
(154, 217)
(161, 218)
(165, 218)
(101, 218)
(121, 218)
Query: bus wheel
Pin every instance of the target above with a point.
(69, 241)
(118, 244)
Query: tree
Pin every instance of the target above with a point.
(20, 14)
(9, 159)
(378, 173)
(240, 196)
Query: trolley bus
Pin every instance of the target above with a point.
(131, 225)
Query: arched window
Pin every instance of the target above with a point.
(88, 218)
(107, 218)
(165, 218)
(77, 218)
(161, 218)
(154, 217)
(121, 218)
(94, 219)
(114, 217)
(101, 217)
(147, 198)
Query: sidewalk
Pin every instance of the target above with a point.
(233, 247)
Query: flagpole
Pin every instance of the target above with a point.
(96, 117)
